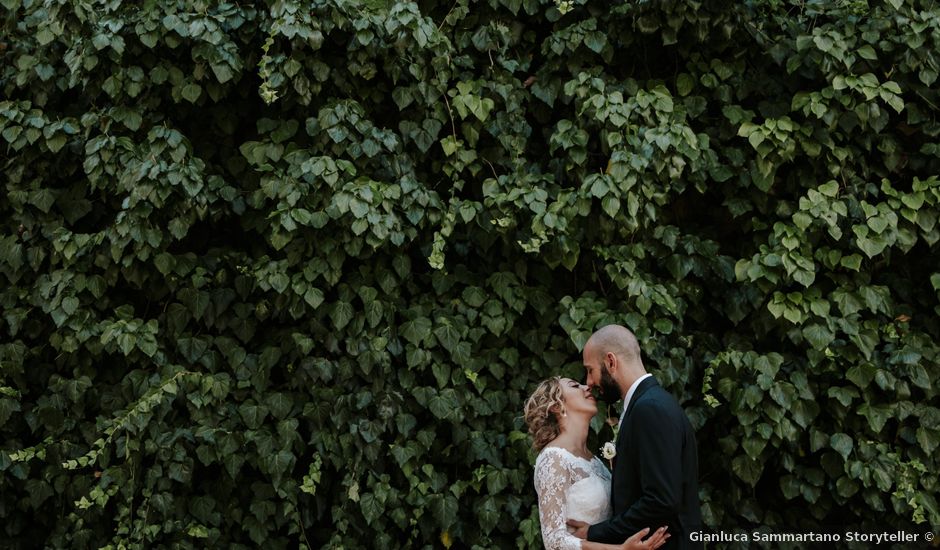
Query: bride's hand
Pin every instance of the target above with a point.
(636, 542)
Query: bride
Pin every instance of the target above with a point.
(571, 483)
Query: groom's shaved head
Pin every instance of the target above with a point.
(617, 340)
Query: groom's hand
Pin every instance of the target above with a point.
(580, 528)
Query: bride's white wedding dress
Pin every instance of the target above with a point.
(569, 487)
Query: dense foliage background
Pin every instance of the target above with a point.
(283, 273)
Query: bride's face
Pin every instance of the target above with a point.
(578, 397)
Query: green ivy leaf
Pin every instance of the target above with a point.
(444, 404)
(253, 415)
(416, 330)
(842, 443)
(444, 510)
(928, 439)
(448, 336)
(372, 508)
(877, 415)
(341, 314)
(611, 205)
(748, 470)
(191, 92)
(595, 41)
(279, 463)
(818, 336)
(279, 404)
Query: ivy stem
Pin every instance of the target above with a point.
(450, 114)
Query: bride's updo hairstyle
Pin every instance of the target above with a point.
(540, 417)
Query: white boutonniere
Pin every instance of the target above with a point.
(609, 450)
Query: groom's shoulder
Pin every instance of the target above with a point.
(655, 391)
(658, 399)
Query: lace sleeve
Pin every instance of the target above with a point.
(552, 480)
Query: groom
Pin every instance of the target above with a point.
(655, 471)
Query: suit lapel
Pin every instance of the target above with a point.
(618, 492)
(640, 390)
(622, 436)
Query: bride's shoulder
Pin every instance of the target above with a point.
(549, 449)
(551, 461)
(551, 453)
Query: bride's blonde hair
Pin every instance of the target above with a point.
(541, 412)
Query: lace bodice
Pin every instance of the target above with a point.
(569, 487)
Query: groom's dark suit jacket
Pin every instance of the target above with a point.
(655, 472)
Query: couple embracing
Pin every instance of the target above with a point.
(650, 500)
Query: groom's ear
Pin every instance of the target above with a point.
(612, 361)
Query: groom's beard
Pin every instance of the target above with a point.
(609, 391)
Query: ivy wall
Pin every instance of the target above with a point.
(282, 273)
